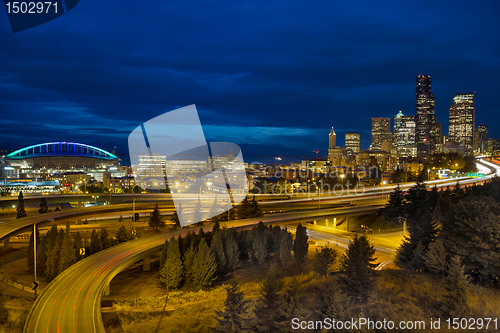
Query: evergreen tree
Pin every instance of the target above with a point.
(286, 245)
(243, 210)
(275, 236)
(95, 242)
(21, 212)
(155, 220)
(105, 240)
(123, 235)
(292, 302)
(255, 210)
(41, 256)
(357, 266)
(394, 208)
(31, 249)
(51, 237)
(245, 244)
(197, 215)
(216, 227)
(454, 304)
(176, 217)
(471, 231)
(58, 207)
(204, 266)
(164, 252)
(259, 246)
(217, 248)
(421, 228)
(435, 258)
(172, 272)
(189, 255)
(323, 259)
(231, 249)
(301, 244)
(334, 303)
(232, 319)
(67, 256)
(200, 236)
(268, 315)
(78, 244)
(4, 312)
(215, 212)
(44, 208)
(54, 257)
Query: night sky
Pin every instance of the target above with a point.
(260, 72)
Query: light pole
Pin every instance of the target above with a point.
(34, 252)
(342, 187)
(133, 214)
(428, 170)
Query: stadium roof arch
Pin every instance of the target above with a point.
(61, 149)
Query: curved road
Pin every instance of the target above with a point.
(71, 303)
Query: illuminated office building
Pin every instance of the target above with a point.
(426, 125)
(381, 131)
(404, 131)
(352, 141)
(461, 120)
(481, 139)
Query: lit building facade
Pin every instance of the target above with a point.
(332, 139)
(426, 124)
(481, 139)
(381, 131)
(352, 141)
(151, 166)
(404, 131)
(461, 120)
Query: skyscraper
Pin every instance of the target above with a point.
(381, 131)
(332, 139)
(462, 117)
(352, 141)
(426, 127)
(481, 139)
(404, 131)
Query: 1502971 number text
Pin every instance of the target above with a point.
(472, 323)
(31, 7)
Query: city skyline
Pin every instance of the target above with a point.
(94, 82)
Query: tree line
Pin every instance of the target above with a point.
(202, 258)
(453, 233)
(278, 303)
(57, 250)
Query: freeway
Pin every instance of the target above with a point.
(13, 227)
(71, 303)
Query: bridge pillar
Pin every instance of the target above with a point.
(80, 204)
(335, 222)
(106, 290)
(314, 222)
(146, 266)
(6, 245)
(67, 226)
(347, 222)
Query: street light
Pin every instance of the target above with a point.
(342, 181)
(133, 216)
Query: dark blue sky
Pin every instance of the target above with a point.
(262, 72)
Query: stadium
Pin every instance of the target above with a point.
(57, 156)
